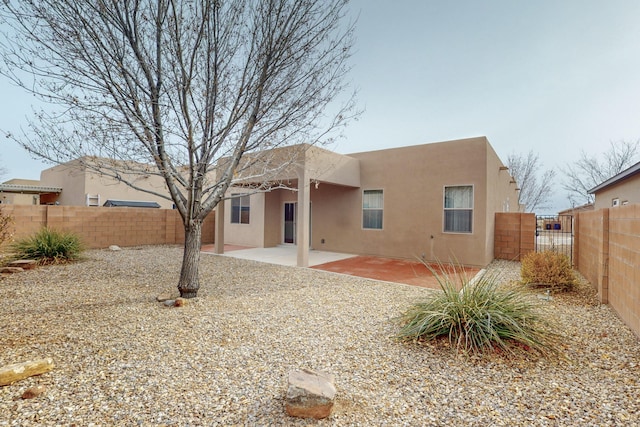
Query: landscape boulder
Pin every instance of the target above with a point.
(310, 394)
(25, 264)
(11, 270)
(34, 391)
(18, 371)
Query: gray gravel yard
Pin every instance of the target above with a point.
(124, 359)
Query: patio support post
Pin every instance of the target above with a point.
(219, 227)
(304, 198)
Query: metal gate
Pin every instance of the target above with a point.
(555, 233)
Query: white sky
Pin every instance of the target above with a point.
(555, 77)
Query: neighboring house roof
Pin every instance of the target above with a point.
(28, 189)
(633, 170)
(130, 204)
(581, 208)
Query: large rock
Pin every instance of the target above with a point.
(11, 270)
(34, 391)
(25, 264)
(18, 371)
(310, 394)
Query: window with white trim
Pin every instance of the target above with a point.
(240, 209)
(458, 209)
(372, 209)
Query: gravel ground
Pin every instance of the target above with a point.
(124, 359)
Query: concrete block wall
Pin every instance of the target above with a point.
(102, 227)
(591, 249)
(514, 235)
(606, 251)
(608, 255)
(624, 263)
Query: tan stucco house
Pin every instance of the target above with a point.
(619, 190)
(27, 192)
(435, 201)
(72, 184)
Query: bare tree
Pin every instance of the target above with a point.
(171, 87)
(590, 171)
(535, 184)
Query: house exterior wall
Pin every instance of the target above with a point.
(252, 234)
(76, 182)
(626, 192)
(19, 198)
(413, 181)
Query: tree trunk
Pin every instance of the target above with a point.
(189, 282)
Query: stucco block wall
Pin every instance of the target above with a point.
(608, 255)
(591, 249)
(514, 235)
(624, 263)
(102, 227)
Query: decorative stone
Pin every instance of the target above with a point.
(180, 302)
(35, 391)
(169, 302)
(11, 270)
(18, 371)
(311, 394)
(25, 264)
(114, 248)
(164, 297)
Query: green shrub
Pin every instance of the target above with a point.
(480, 316)
(549, 270)
(49, 247)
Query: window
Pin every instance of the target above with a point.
(615, 202)
(372, 207)
(240, 208)
(458, 209)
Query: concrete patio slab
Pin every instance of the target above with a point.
(281, 255)
(386, 269)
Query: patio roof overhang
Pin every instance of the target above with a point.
(29, 189)
(284, 166)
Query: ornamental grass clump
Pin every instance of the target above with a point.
(549, 270)
(49, 246)
(477, 316)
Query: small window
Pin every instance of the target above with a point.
(458, 209)
(240, 208)
(372, 208)
(615, 202)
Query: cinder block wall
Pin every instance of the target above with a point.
(624, 263)
(606, 251)
(591, 249)
(102, 227)
(515, 235)
(609, 257)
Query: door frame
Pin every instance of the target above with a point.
(295, 223)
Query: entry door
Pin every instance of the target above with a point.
(290, 223)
